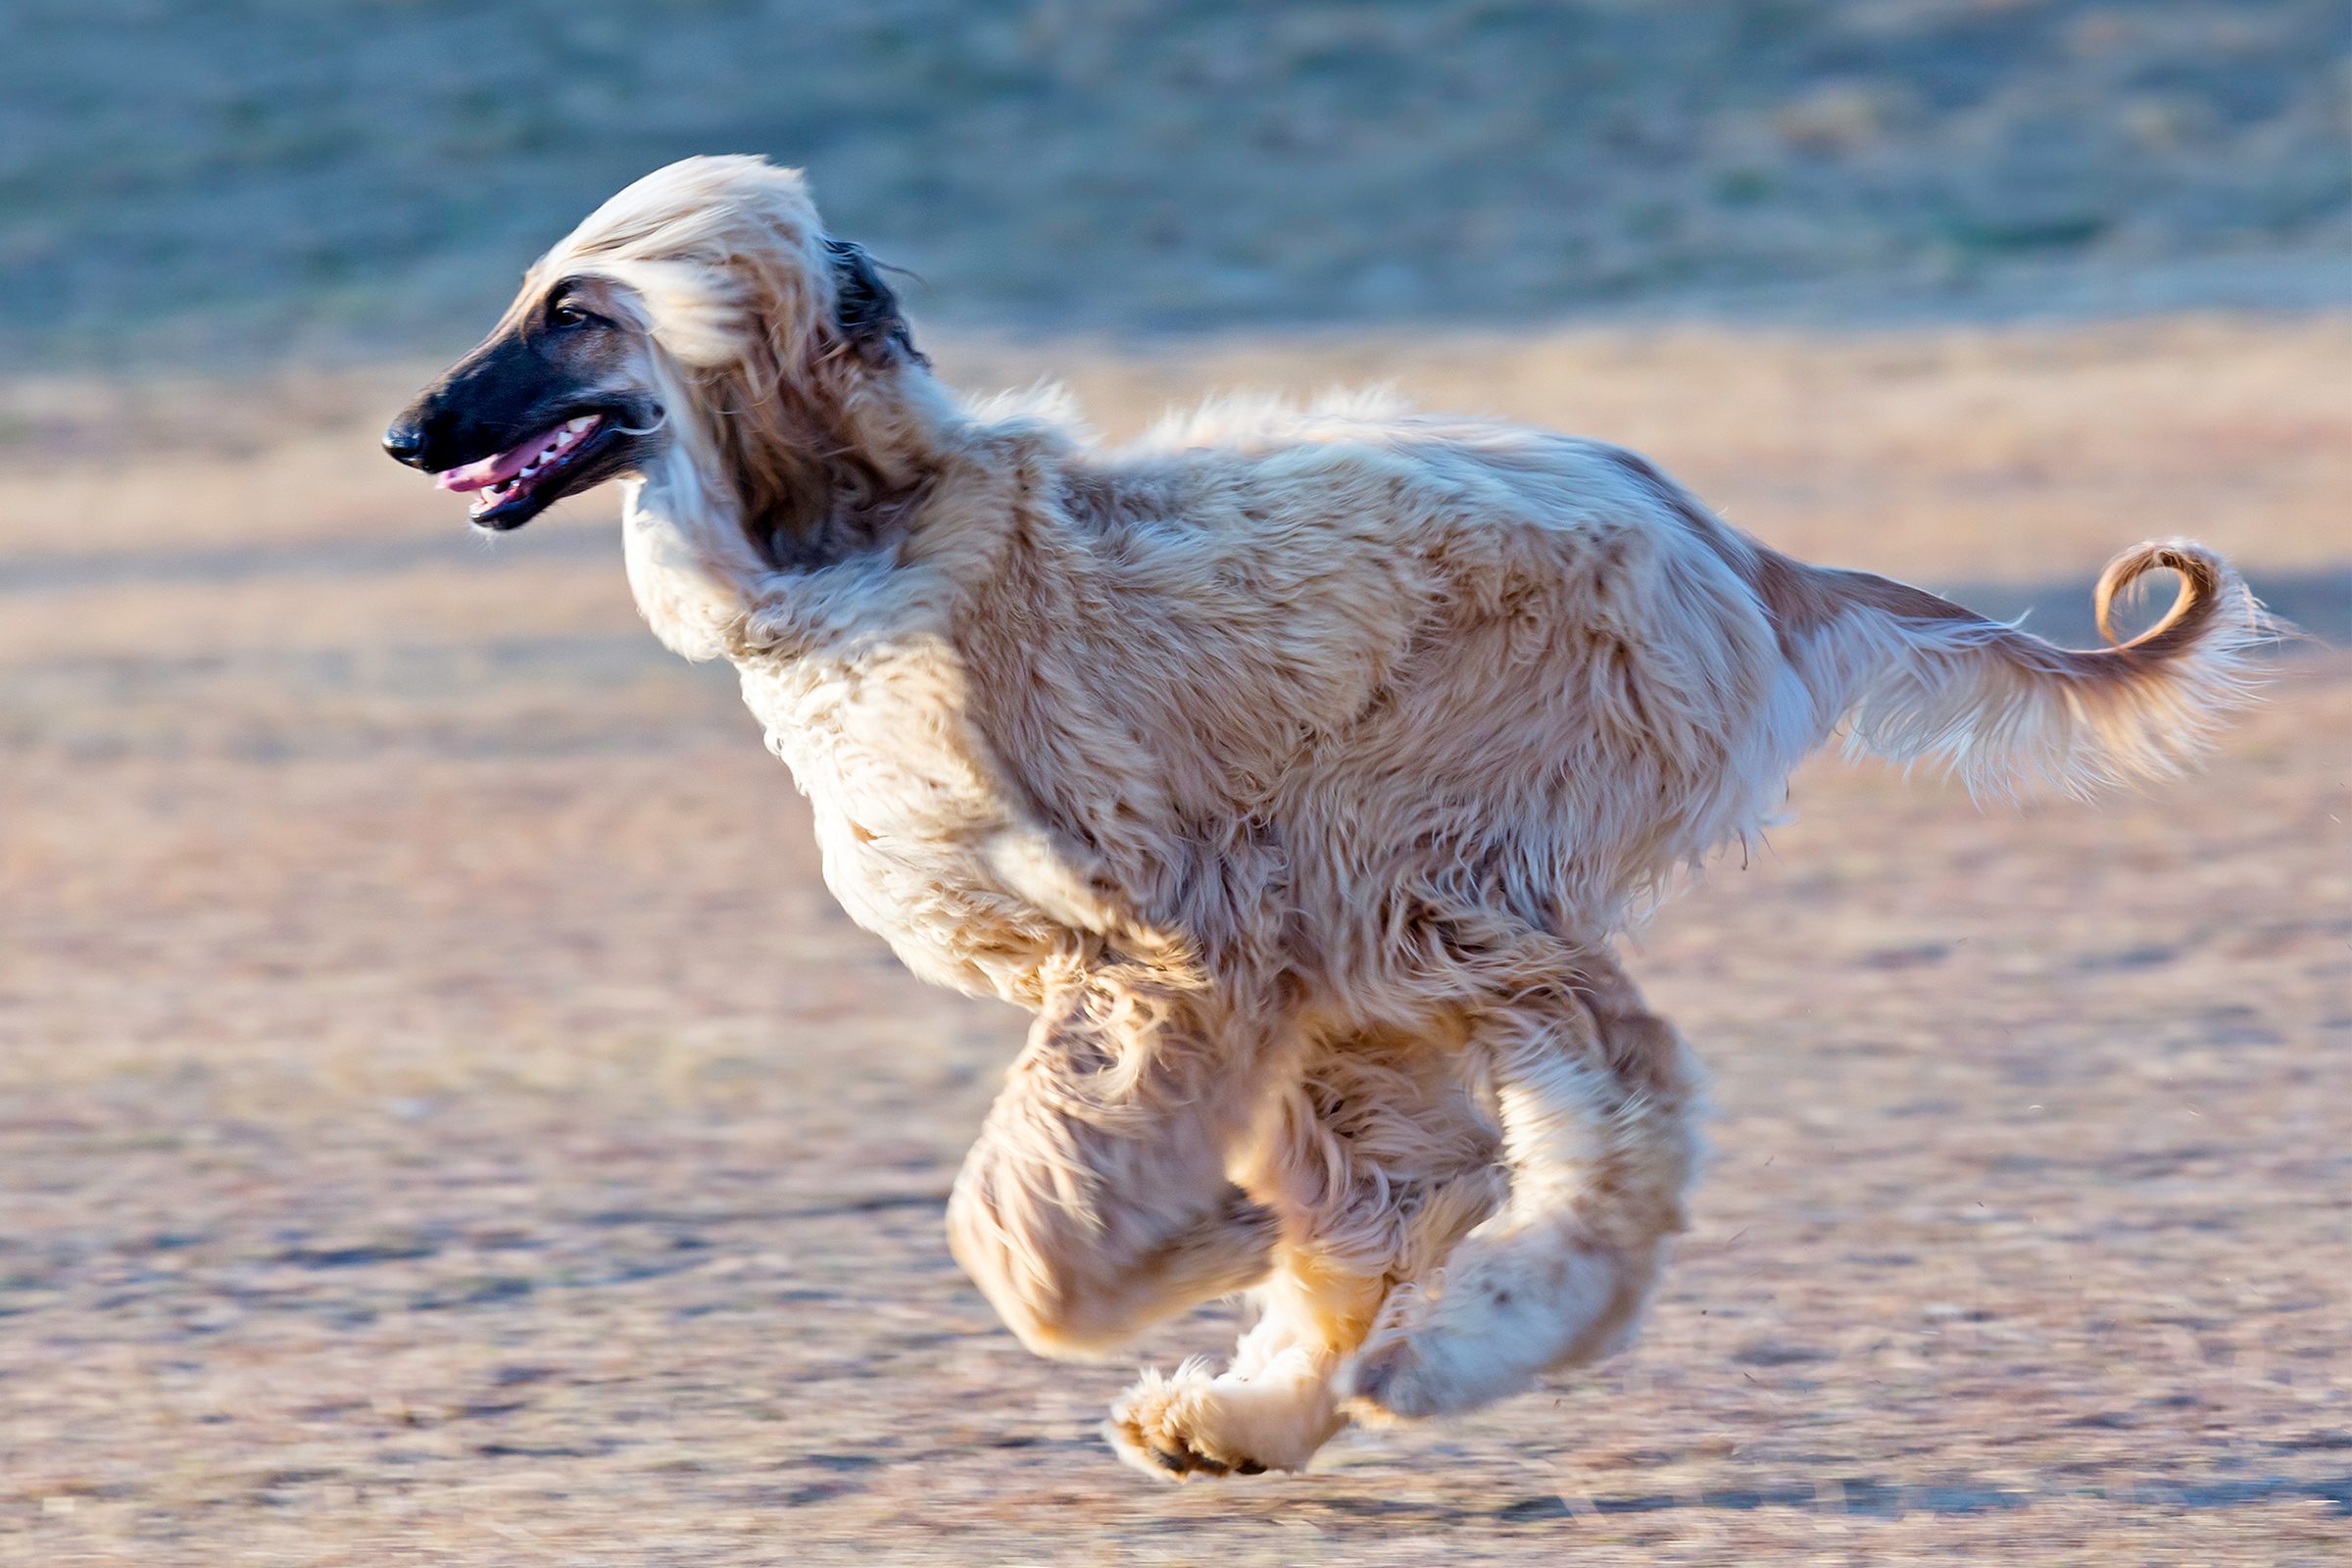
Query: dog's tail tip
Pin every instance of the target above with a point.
(2006, 708)
(2209, 590)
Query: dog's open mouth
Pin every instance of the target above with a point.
(513, 485)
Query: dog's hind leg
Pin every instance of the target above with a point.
(1096, 1200)
(1380, 1162)
(1595, 1097)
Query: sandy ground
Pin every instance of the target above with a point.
(443, 1120)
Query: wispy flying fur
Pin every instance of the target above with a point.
(1295, 769)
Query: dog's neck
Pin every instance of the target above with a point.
(704, 541)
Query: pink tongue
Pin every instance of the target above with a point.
(492, 470)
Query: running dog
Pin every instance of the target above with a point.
(1296, 769)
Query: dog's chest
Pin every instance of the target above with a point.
(921, 841)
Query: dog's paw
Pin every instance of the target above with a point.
(1498, 1318)
(1159, 1428)
(1191, 1424)
(1392, 1382)
(1435, 1350)
(1390, 1377)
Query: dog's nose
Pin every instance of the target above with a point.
(405, 441)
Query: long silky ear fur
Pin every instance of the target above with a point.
(866, 309)
(800, 412)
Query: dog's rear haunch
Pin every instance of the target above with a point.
(1295, 768)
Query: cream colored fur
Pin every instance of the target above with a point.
(1297, 771)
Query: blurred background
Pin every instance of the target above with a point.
(444, 1119)
(237, 175)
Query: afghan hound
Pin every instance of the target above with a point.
(1296, 769)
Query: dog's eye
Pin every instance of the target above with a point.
(566, 313)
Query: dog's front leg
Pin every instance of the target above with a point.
(1096, 1200)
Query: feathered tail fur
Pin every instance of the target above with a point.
(1919, 678)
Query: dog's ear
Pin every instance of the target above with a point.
(867, 310)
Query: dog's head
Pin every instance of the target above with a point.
(700, 314)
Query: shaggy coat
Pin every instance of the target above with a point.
(1296, 769)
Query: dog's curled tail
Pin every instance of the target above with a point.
(1920, 679)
